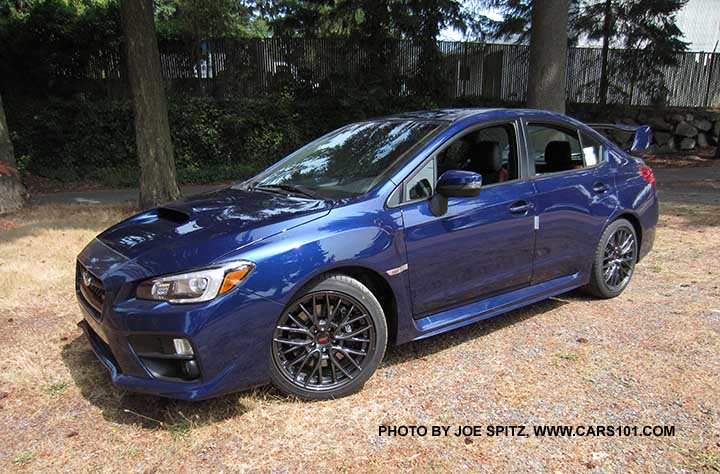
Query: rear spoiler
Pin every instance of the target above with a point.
(628, 137)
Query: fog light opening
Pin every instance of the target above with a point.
(191, 369)
(183, 347)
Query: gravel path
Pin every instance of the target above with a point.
(689, 185)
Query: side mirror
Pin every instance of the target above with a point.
(454, 183)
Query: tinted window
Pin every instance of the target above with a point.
(554, 149)
(592, 151)
(351, 160)
(489, 151)
(421, 185)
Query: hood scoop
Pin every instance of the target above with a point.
(172, 215)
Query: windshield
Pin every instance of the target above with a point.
(348, 161)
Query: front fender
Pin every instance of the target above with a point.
(357, 235)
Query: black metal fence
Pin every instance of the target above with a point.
(262, 67)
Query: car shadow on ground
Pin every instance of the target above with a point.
(426, 347)
(149, 412)
(178, 417)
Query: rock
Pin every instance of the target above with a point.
(677, 118)
(689, 117)
(659, 124)
(670, 146)
(661, 138)
(628, 121)
(702, 124)
(687, 144)
(684, 129)
(702, 141)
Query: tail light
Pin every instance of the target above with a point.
(647, 174)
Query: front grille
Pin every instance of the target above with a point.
(92, 289)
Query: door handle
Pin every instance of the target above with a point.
(521, 207)
(600, 188)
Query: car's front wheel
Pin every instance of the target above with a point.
(329, 340)
(615, 260)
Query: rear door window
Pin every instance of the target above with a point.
(554, 149)
(593, 152)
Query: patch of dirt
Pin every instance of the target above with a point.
(699, 158)
(6, 225)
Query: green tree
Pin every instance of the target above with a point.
(644, 31)
(46, 44)
(204, 19)
(373, 25)
(422, 21)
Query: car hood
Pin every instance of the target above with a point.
(198, 230)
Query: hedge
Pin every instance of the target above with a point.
(214, 140)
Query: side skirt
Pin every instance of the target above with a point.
(479, 310)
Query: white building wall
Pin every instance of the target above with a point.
(699, 21)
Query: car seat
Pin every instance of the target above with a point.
(486, 158)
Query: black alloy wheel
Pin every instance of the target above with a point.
(615, 260)
(329, 341)
(619, 259)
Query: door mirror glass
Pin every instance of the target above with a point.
(456, 183)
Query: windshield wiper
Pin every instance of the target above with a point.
(291, 188)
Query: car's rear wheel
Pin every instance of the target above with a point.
(329, 340)
(614, 260)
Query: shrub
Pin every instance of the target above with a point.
(214, 140)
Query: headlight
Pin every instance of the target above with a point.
(197, 286)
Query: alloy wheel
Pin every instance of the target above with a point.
(619, 259)
(323, 341)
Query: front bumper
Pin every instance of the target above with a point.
(231, 348)
(231, 335)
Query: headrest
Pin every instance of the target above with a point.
(485, 156)
(558, 156)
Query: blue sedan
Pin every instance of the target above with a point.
(382, 232)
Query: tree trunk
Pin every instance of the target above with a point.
(152, 129)
(548, 55)
(12, 192)
(607, 32)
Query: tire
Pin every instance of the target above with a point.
(614, 262)
(328, 341)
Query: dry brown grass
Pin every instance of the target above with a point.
(647, 357)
